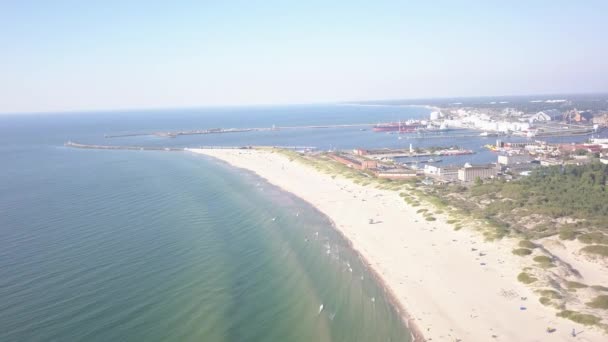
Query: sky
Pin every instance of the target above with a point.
(100, 55)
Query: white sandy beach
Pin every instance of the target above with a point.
(453, 285)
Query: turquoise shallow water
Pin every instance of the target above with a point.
(153, 246)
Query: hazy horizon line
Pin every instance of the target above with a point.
(312, 103)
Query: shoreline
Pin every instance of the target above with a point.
(415, 331)
(445, 294)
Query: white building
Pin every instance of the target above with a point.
(470, 173)
(449, 173)
(514, 159)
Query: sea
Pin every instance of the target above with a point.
(115, 245)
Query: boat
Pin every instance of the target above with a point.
(399, 127)
(491, 147)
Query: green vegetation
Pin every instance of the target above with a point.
(578, 317)
(544, 261)
(552, 294)
(527, 244)
(422, 210)
(544, 300)
(600, 250)
(567, 234)
(573, 285)
(599, 288)
(522, 251)
(452, 221)
(430, 218)
(458, 227)
(594, 237)
(526, 278)
(599, 302)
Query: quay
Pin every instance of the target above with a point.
(389, 153)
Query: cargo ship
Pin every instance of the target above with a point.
(405, 127)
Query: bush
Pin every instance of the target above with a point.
(527, 244)
(599, 302)
(544, 300)
(596, 249)
(522, 251)
(526, 278)
(422, 211)
(458, 227)
(571, 285)
(430, 218)
(595, 237)
(579, 317)
(599, 288)
(544, 261)
(452, 221)
(567, 234)
(550, 294)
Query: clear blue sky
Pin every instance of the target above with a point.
(71, 55)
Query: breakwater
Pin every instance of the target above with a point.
(119, 147)
(175, 134)
(177, 149)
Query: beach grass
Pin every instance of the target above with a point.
(527, 244)
(567, 234)
(585, 319)
(573, 285)
(526, 278)
(599, 302)
(593, 238)
(544, 261)
(521, 251)
(599, 288)
(552, 294)
(600, 250)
